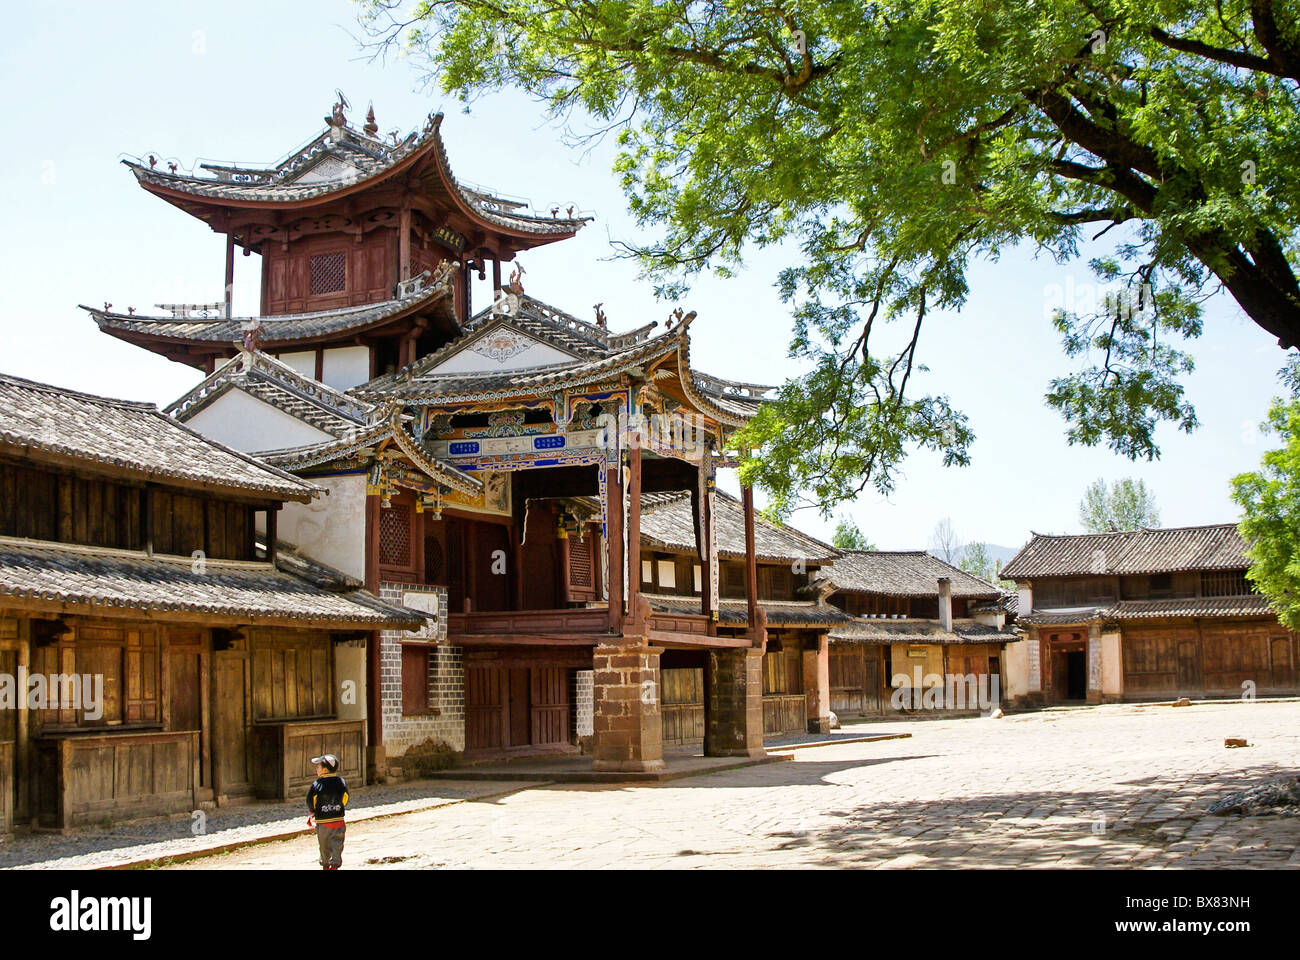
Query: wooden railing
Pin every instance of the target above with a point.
(784, 713)
(83, 779)
(581, 620)
(6, 787)
(284, 749)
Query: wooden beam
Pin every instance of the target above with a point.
(201, 618)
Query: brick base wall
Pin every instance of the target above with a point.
(426, 739)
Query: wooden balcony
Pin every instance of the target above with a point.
(83, 779)
(581, 624)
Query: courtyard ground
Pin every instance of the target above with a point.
(1108, 786)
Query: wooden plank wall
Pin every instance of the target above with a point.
(293, 675)
(42, 504)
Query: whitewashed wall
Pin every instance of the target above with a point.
(248, 424)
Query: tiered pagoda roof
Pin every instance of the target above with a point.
(341, 161)
(206, 324)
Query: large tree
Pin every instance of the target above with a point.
(1126, 504)
(1270, 502)
(897, 141)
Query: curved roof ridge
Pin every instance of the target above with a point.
(79, 394)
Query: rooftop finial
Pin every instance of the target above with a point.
(601, 320)
(371, 128)
(337, 118)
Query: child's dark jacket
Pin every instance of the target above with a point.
(327, 799)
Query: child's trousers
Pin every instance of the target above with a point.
(330, 839)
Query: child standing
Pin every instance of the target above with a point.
(327, 800)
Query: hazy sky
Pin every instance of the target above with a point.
(88, 84)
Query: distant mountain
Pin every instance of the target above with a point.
(1001, 554)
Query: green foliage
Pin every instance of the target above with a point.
(849, 536)
(976, 561)
(896, 141)
(1126, 505)
(1270, 503)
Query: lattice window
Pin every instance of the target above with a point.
(1224, 583)
(434, 567)
(329, 273)
(395, 536)
(580, 563)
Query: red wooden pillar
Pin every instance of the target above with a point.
(404, 242)
(614, 541)
(634, 535)
(374, 704)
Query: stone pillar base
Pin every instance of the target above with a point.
(376, 764)
(820, 725)
(627, 729)
(734, 711)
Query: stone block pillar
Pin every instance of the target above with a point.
(817, 686)
(627, 727)
(733, 715)
(1094, 662)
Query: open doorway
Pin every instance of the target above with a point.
(1069, 655)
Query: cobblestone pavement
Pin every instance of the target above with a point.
(1108, 786)
(180, 835)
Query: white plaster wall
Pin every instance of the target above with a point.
(332, 528)
(345, 367)
(350, 665)
(246, 423)
(1112, 666)
(304, 361)
(1015, 669)
(1026, 600)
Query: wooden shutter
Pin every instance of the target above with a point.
(415, 678)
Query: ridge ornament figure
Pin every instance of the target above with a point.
(327, 801)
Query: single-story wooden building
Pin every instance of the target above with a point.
(1149, 614)
(157, 653)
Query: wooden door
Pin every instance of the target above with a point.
(230, 723)
(871, 683)
(1189, 667)
(1280, 661)
(520, 726)
(847, 679)
(485, 702)
(549, 711)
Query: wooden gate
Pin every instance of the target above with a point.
(513, 707)
(682, 705)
